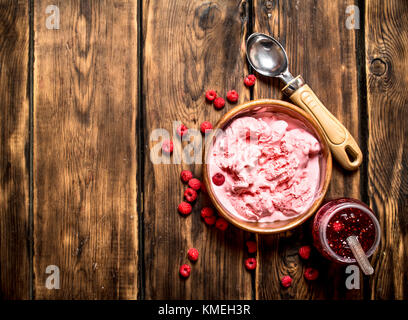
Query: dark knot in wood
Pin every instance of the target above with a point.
(378, 67)
(208, 14)
(269, 4)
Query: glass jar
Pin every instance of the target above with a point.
(336, 221)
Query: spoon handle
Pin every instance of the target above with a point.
(343, 146)
(360, 255)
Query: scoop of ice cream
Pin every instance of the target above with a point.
(271, 166)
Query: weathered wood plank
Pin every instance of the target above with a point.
(189, 47)
(14, 150)
(323, 50)
(387, 100)
(85, 150)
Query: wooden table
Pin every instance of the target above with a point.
(79, 104)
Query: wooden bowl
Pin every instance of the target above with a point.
(269, 105)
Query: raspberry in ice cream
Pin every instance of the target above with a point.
(270, 162)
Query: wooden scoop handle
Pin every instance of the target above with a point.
(343, 146)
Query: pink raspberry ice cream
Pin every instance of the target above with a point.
(271, 167)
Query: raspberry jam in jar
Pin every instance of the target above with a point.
(339, 219)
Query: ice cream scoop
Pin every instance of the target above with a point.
(267, 56)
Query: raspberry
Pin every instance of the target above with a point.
(210, 95)
(185, 270)
(338, 226)
(167, 146)
(181, 130)
(186, 175)
(251, 245)
(210, 220)
(219, 103)
(193, 254)
(203, 188)
(250, 263)
(232, 96)
(311, 274)
(195, 184)
(207, 212)
(190, 195)
(218, 179)
(184, 208)
(221, 224)
(250, 80)
(286, 281)
(206, 126)
(304, 252)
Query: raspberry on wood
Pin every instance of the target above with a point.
(210, 95)
(181, 130)
(304, 252)
(251, 245)
(286, 281)
(195, 184)
(232, 96)
(311, 274)
(190, 194)
(167, 146)
(249, 80)
(250, 263)
(219, 103)
(207, 212)
(185, 270)
(210, 220)
(206, 127)
(193, 254)
(184, 208)
(221, 224)
(186, 175)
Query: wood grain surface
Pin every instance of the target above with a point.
(387, 100)
(182, 58)
(15, 275)
(79, 109)
(324, 53)
(85, 162)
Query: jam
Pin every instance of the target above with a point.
(350, 222)
(339, 219)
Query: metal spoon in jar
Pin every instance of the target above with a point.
(267, 56)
